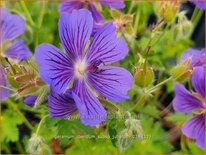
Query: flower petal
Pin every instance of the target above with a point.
(61, 105)
(184, 101)
(3, 82)
(111, 82)
(18, 50)
(91, 111)
(69, 6)
(201, 137)
(195, 129)
(55, 67)
(198, 80)
(75, 30)
(114, 3)
(95, 13)
(30, 100)
(197, 56)
(199, 4)
(11, 25)
(106, 46)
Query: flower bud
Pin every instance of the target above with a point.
(143, 76)
(124, 139)
(37, 146)
(177, 34)
(187, 27)
(182, 71)
(135, 126)
(167, 9)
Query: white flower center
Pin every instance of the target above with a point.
(80, 68)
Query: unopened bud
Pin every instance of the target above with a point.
(187, 28)
(178, 34)
(182, 71)
(135, 126)
(37, 146)
(143, 76)
(124, 139)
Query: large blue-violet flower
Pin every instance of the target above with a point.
(11, 26)
(197, 57)
(81, 67)
(186, 102)
(70, 5)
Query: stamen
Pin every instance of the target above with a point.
(94, 66)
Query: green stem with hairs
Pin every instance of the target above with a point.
(7, 88)
(157, 86)
(40, 124)
(139, 102)
(137, 18)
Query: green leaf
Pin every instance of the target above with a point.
(178, 117)
(64, 131)
(112, 131)
(10, 131)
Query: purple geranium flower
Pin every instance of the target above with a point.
(197, 56)
(3, 82)
(11, 26)
(187, 102)
(82, 66)
(70, 5)
(199, 3)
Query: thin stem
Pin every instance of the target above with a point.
(40, 124)
(39, 23)
(158, 85)
(131, 7)
(20, 147)
(161, 35)
(41, 16)
(137, 21)
(7, 88)
(139, 102)
(25, 9)
(13, 105)
(194, 14)
(197, 18)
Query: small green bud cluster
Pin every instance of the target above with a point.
(183, 28)
(123, 22)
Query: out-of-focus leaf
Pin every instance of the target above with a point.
(9, 122)
(178, 117)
